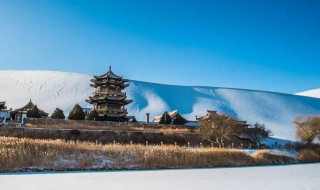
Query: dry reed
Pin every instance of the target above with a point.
(309, 155)
(265, 157)
(21, 154)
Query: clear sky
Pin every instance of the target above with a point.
(271, 45)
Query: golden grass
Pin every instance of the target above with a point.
(309, 155)
(19, 154)
(265, 157)
(195, 158)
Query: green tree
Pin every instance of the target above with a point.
(58, 114)
(34, 112)
(93, 115)
(165, 119)
(76, 113)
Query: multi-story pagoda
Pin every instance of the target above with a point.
(108, 99)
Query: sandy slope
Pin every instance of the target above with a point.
(291, 177)
(57, 89)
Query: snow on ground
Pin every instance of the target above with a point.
(271, 141)
(311, 93)
(58, 89)
(291, 177)
(290, 153)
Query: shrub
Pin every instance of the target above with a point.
(34, 112)
(58, 114)
(93, 115)
(76, 113)
(308, 155)
(265, 157)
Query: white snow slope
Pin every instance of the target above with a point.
(287, 177)
(58, 89)
(315, 93)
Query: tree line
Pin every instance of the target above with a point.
(220, 129)
(216, 129)
(76, 113)
(223, 130)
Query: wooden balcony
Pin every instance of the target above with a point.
(115, 110)
(109, 92)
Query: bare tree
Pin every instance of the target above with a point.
(257, 132)
(307, 129)
(218, 128)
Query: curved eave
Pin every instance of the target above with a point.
(121, 85)
(42, 113)
(93, 98)
(115, 115)
(108, 76)
(124, 85)
(178, 116)
(116, 98)
(126, 102)
(89, 101)
(107, 80)
(121, 102)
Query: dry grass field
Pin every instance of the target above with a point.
(22, 154)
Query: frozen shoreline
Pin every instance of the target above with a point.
(298, 176)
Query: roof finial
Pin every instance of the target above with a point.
(110, 68)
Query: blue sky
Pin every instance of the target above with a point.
(271, 45)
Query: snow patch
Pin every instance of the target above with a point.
(315, 93)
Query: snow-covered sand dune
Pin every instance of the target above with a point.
(58, 89)
(315, 93)
(291, 177)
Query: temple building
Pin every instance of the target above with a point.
(20, 113)
(213, 114)
(3, 105)
(176, 118)
(109, 100)
(4, 112)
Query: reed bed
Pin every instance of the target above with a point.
(309, 155)
(22, 154)
(265, 157)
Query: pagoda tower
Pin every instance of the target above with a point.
(108, 99)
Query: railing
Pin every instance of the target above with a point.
(113, 92)
(113, 110)
(109, 92)
(109, 81)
